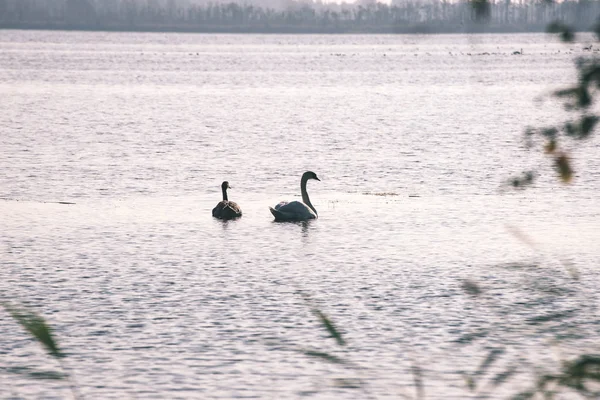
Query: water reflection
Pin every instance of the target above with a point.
(225, 224)
(305, 227)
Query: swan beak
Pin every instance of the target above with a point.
(317, 179)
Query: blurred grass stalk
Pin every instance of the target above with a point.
(40, 331)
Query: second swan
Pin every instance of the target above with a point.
(297, 210)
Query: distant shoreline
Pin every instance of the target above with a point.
(411, 29)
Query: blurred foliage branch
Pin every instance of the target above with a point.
(576, 376)
(578, 100)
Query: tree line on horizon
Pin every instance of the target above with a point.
(299, 16)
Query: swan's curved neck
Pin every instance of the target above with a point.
(224, 189)
(305, 198)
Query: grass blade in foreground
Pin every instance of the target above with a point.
(324, 356)
(36, 326)
(30, 373)
(326, 322)
(418, 381)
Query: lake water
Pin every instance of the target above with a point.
(412, 137)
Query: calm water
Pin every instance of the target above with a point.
(152, 298)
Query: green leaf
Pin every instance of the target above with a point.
(584, 99)
(324, 356)
(326, 322)
(570, 128)
(550, 133)
(550, 317)
(471, 385)
(527, 178)
(585, 367)
(565, 33)
(471, 337)
(563, 167)
(418, 379)
(567, 36)
(482, 10)
(36, 326)
(524, 395)
(589, 72)
(30, 373)
(347, 383)
(579, 95)
(544, 380)
(550, 146)
(489, 360)
(530, 131)
(587, 124)
(471, 287)
(502, 377)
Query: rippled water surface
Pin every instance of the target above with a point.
(412, 137)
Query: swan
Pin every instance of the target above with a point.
(297, 210)
(226, 209)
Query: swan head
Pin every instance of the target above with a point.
(310, 175)
(225, 185)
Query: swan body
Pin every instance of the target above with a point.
(226, 209)
(292, 211)
(297, 210)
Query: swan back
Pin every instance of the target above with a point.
(292, 211)
(227, 210)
